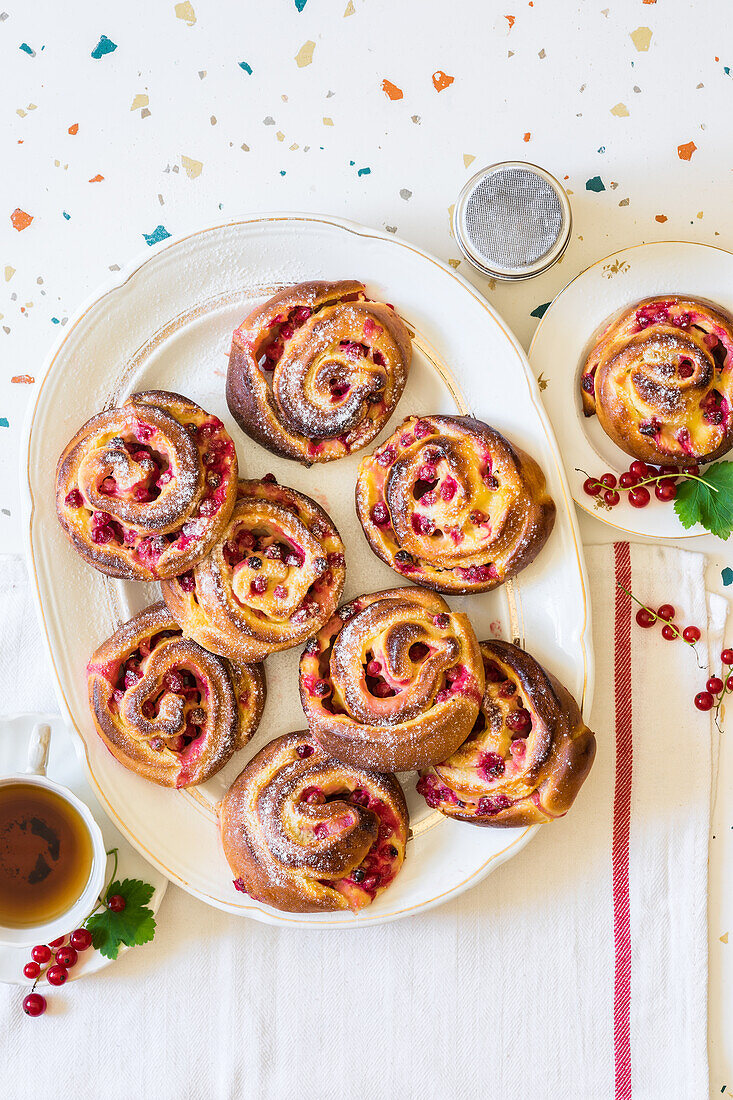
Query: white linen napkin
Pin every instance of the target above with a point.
(576, 970)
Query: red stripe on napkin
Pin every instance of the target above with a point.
(621, 828)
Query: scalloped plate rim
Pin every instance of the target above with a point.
(116, 281)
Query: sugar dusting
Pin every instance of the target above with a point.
(294, 827)
(138, 720)
(527, 755)
(434, 695)
(466, 510)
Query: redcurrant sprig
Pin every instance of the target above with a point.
(54, 960)
(634, 481)
(716, 689)
(646, 618)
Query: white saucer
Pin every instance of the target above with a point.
(64, 767)
(561, 343)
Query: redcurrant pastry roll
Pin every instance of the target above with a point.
(306, 834)
(145, 490)
(316, 371)
(660, 379)
(272, 580)
(394, 681)
(528, 753)
(166, 708)
(452, 505)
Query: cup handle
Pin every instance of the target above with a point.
(38, 749)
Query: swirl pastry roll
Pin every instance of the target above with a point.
(660, 380)
(316, 371)
(452, 505)
(166, 708)
(306, 834)
(394, 681)
(272, 580)
(527, 755)
(145, 490)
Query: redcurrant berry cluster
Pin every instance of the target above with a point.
(634, 481)
(53, 961)
(717, 688)
(670, 631)
(646, 618)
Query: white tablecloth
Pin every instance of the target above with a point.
(575, 957)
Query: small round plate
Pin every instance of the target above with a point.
(562, 341)
(64, 767)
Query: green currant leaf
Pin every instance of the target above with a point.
(133, 890)
(133, 926)
(697, 501)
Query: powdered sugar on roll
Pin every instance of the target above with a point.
(316, 371)
(143, 491)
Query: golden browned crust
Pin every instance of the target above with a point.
(271, 581)
(452, 505)
(660, 379)
(166, 708)
(393, 681)
(144, 491)
(306, 834)
(527, 756)
(316, 371)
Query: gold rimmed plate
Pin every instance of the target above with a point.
(563, 339)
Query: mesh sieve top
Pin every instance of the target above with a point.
(512, 218)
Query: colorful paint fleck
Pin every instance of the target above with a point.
(160, 233)
(540, 311)
(20, 219)
(441, 80)
(185, 12)
(641, 38)
(595, 184)
(684, 152)
(192, 168)
(391, 90)
(304, 56)
(246, 66)
(727, 576)
(73, 129)
(104, 46)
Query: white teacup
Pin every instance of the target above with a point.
(71, 918)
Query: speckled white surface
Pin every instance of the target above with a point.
(603, 94)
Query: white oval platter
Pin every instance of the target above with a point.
(166, 322)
